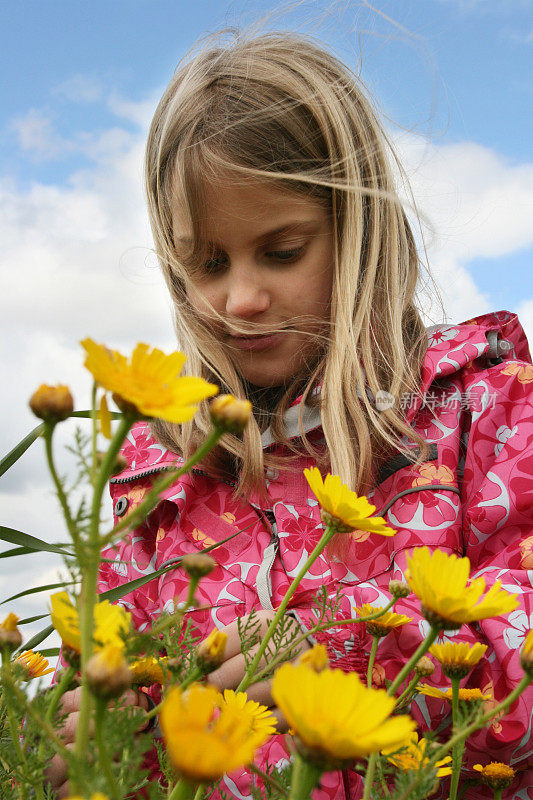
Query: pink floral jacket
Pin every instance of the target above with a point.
(474, 496)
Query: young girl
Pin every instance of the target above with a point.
(292, 270)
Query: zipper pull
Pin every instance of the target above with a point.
(263, 583)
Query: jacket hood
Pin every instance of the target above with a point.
(495, 336)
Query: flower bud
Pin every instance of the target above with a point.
(52, 403)
(210, 652)
(229, 413)
(425, 667)
(399, 589)
(496, 774)
(316, 658)
(108, 674)
(198, 565)
(10, 636)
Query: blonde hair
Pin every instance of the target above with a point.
(282, 110)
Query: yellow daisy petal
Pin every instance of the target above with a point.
(149, 381)
(342, 507)
(440, 582)
(334, 714)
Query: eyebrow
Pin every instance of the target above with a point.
(290, 227)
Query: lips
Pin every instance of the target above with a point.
(256, 343)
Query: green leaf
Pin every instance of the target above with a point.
(25, 540)
(16, 551)
(32, 619)
(37, 589)
(124, 588)
(37, 639)
(49, 652)
(13, 456)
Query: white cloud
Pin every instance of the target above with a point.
(525, 315)
(36, 134)
(476, 204)
(79, 89)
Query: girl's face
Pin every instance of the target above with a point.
(271, 267)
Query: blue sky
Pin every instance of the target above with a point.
(81, 81)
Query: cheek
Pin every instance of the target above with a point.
(202, 300)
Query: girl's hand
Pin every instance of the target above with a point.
(231, 673)
(56, 772)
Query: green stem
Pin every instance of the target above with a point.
(415, 658)
(498, 794)
(458, 748)
(13, 725)
(183, 790)
(94, 429)
(281, 790)
(29, 711)
(103, 752)
(370, 668)
(71, 525)
(193, 676)
(150, 500)
(369, 777)
(199, 793)
(407, 693)
(56, 694)
(88, 587)
(305, 777)
(480, 722)
(323, 626)
(324, 539)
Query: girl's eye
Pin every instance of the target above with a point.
(286, 255)
(214, 264)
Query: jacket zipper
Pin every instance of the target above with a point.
(155, 470)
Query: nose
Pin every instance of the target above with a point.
(246, 295)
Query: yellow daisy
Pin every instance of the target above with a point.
(148, 670)
(342, 508)
(413, 756)
(335, 715)
(35, 665)
(149, 381)
(111, 623)
(262, 723)
(467, 695)
(440, 582)
(496, 775)
(384, 624)
(201, 745)
(457, 658)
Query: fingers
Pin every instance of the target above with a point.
(56, 772)
(233, 644)
(63, 791)
(260, 692)
(282, 726)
